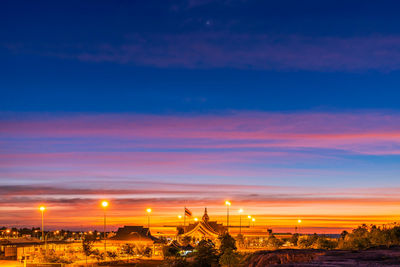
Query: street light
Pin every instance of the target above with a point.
(299, 222)
(254, 221)
(195, 219)
(240, 220)
(249, 217)
(148, 217)
(228, 204)
(104, 204)
(42, 209)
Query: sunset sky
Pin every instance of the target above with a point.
(289, 109)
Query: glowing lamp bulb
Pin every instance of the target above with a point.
(42, 208)
(299, 221)
(104, 204)
(241, 210)
(195, 219)
(249, 216)
(227, 203)
(148, 210)
(253, 219)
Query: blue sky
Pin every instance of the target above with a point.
(74, 56)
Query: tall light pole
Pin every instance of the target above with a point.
(254, 221)
(104, 204)
(228, 204)
(299, 222)
(42, 209)
(179, 219)
(249, 217)
(240, 220)
(148, 217)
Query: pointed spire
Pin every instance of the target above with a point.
(205, 216)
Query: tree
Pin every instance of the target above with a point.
(170, 251)
(229, 258)
(206, 254)
(87, 246)
(343, 234)
(240, 240)
(227, 242)
(294, 239)
(186, 240)
(128, 250)
(324, 243)
(112, 255)
(273, 242)
(98, 255)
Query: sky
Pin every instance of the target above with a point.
(289, 109)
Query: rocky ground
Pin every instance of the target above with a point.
(307, 258)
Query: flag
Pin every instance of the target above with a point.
(188, 213)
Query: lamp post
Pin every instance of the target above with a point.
(228, 204)
(240, 220)
(249, 217)
(104, 204)
(254, 221)
(148, 217)
(42, 209)
(299, 222)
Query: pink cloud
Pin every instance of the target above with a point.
(363, 133)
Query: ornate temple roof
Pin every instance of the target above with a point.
(205, 227)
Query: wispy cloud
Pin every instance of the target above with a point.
(241, 51)
(360, 133)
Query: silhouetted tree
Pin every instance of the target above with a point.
(227, 242)
(229, 258)
(206, 254)
(87, 246)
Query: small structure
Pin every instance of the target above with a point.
(134, 234)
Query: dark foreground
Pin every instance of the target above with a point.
(307, 258)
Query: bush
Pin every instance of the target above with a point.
(365, 237)
(170, 251)
(273, 242)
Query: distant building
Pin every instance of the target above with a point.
(134, 233)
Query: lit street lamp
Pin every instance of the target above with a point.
(148, 217)
(104, 204)
(240, 220)
(179, 219)
(299, 222)
(254, 221)
(195, 219)
(42, 209)
(249, 217)
(228, 204)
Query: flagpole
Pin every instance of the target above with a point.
(184, 218)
